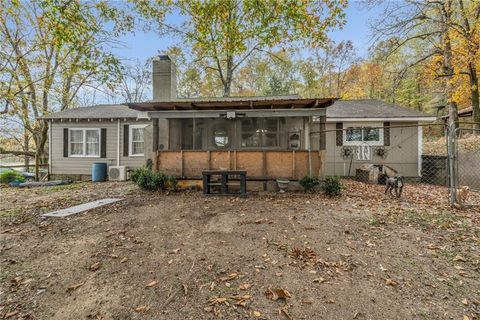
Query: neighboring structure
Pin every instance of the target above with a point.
(270, 137)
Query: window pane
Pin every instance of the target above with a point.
(76, 149)
(137, 134)
(271, 124)
(250, 140)
(92, 143)
(249, 125)
(372, 134)
(354, 134)
(137, 148)
(76, 136)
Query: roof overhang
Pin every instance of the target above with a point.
(238, 113)
(233, 104)
(376, 119)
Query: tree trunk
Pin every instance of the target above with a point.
(475, 97)
(227, 84)
(26, 148)
(448, 67)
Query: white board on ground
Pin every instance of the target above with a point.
(80, 208)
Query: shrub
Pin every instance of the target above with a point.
(146, 179)
(8, 176)
(309, 183)
(332, 186)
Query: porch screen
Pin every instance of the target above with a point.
(260, 133)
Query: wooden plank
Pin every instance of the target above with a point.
(294, 162)
(182, 170)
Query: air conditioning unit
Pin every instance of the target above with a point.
(117, 173)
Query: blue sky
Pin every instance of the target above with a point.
(143, 45)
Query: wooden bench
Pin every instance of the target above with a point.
(224, 179)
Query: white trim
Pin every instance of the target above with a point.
(420, 150)
(130, 140)
(84, 148)
(397, 119)
(363, 143)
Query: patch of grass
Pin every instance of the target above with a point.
(10, 212)
(373, 221)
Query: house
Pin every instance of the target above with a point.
(270, 137)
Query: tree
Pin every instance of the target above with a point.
(49, 52)
(223, 34)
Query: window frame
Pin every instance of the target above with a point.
(363, 126)
(130, 139)
(84, 143)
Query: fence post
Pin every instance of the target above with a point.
(451, 150)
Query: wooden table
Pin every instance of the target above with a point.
(212, 179)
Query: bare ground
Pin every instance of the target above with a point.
(183, 256)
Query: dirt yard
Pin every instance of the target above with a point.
(268, 256)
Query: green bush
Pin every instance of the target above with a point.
(332, 186)
(309, 183)
(149, 180)
(8, 176)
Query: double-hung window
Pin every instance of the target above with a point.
(137, 142)
(363, 135)
(84, 142)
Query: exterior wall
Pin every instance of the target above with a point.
(78, 166)
(402, 154)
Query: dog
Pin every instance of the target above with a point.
(461, 196)
(395, 184)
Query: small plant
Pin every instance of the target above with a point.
(332, 186)
(11, 176)
(309, 183)
(149, 180)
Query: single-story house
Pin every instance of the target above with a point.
(270, 137)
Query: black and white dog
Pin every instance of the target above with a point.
(396, 184)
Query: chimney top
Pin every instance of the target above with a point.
(162, 57)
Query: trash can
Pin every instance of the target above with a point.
(99, 172)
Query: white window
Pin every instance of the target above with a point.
(371, 135)
(84, 142)
(137, 142)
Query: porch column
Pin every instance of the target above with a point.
(155, 133)
(322, 148)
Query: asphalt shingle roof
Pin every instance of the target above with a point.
(101, 111)
(371, 108)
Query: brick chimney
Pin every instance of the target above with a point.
(164, 79)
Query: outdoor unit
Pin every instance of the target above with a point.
(117, 173)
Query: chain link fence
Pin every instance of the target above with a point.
(428, 154)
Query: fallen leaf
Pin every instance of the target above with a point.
(10, 314)
(124, 260)
(217, 300)
(319, 280)
(257, 314)
(231, 276)
(242, 300)
(459, 258)
(151, 284)
(390, 282)
(330, 301)
(75, 286)
(174, 251)
(284, 310)
(95, 266)
(142, 309)
(277, 293)
(465, 301)
(245, 286)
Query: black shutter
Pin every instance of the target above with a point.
(125, 140)
(65, 142)
(103, 143)
(386, 134)
(339, 127)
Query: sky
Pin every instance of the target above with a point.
(143, 45)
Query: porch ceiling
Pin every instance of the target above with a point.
(238, 103)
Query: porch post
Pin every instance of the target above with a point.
(155, 133)
(322, 148)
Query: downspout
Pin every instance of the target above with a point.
(118, 142)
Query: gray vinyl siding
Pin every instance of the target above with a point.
(61, 165)
(402, 154)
